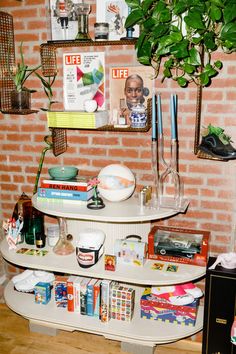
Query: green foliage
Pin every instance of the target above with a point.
(47, 87)
(183, 34)
(21, 72)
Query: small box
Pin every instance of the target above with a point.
(110, 262)
(60, 289)
(42, 293)
(130, 250)
(161, 310)
(122, 302)
(178, 245)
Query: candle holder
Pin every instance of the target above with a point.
(83, 23)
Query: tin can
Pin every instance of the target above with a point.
(101, 31)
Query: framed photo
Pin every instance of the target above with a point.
(114, 12)
(178, 245)
(63, 19)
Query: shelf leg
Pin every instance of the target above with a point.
(50, 331)
(136, 348)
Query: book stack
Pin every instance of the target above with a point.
(77, 120)
(76, 189)
(102, 299)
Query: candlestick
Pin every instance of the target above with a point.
(159, 113)
(173, 117)
(154, 123)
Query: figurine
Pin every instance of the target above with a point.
(63, 11)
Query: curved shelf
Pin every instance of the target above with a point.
(144, 275)
(139, 331)
(127, 211)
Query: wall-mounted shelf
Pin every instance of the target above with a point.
(48, 51)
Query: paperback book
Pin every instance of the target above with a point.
(83, 79)
(77, 120)
(65, 194)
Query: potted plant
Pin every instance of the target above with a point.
(20, 96)
(178, 38)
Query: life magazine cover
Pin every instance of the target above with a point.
(129, 83)
(114, 13)
(64, 19)
(83, 79)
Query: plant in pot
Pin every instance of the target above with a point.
(21, 95)
(178, 37)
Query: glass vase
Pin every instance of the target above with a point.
(83, 23)
(64, 245)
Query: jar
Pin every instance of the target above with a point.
(138, 116)
(101, 31)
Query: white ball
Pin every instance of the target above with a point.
(90, 105)
(117, 182)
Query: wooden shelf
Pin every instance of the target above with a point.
(139, 331)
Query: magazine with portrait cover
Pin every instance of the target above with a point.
(83, 79)
(63, 19)
(117, 80)
(114, 13)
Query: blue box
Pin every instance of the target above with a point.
(42, 293)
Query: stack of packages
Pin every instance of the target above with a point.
(174, 304)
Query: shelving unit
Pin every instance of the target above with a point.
(117, 220)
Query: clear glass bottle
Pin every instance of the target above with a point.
(83, 23)
(64, 245)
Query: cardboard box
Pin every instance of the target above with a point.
(42, 293)
(178, 245)
(122, 302)
(157, 309)
(60, 288)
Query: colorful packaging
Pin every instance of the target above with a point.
(42, 293)
(60, 289)
(122, 302)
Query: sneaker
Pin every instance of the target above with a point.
(22, 276)
(217, 144)
(175, 295)
(193, 290)
(27, 284)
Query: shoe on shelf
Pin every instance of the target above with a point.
(28, 283)
(175, 295)
(216, 143)
(22, 276)
(192, 289)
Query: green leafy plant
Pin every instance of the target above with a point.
(21, 72)
(47, 87)
(181, 35)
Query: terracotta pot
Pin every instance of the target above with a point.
(20, 100)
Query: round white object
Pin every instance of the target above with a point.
(90, 105)
(90, 238)
(117, 182)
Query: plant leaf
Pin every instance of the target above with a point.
(194, 20)
(133, 18)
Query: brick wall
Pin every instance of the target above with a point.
(209, 185)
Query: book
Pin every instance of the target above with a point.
(61, 202)
(90, 297)
(66, 186)
(105, 300)
(63, 194)
(119, 99)
(76, 181)
(71, 293)
(83, 79)
(63, 20)
(114, 13)
(96, 298)
(77, 119)
(83, 295)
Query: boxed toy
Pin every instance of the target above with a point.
(42, 293)
(60, 288)
(130, 250)
(178, 245)
(122, 302)
(158, 309)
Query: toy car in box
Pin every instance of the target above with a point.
(178, 245)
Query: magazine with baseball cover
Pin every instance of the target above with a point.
(118, 78)
(114, 13)
(83, 79)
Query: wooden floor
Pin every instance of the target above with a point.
(15, 338)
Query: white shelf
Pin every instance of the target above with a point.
(137, 331)
(125, 212)
(143, 275)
